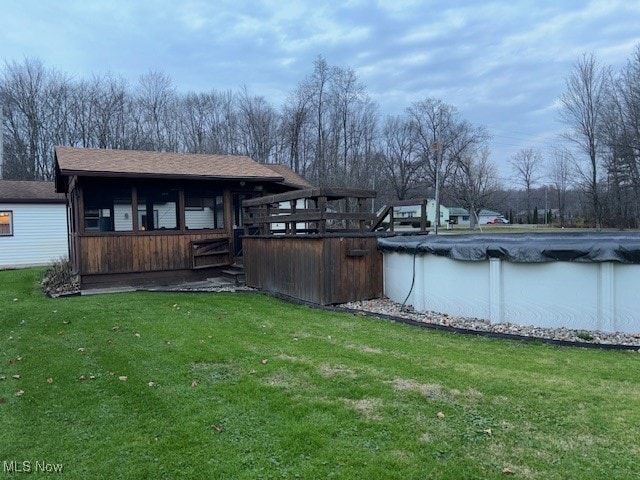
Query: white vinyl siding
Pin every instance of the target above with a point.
(39, 235)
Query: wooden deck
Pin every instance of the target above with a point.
(319, 269)
(310, 248)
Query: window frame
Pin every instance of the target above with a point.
(9, 213)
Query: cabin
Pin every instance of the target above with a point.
(141, 218)
(33, 224)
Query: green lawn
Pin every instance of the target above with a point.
(247, 386)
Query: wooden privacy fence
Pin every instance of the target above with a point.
(313, 245)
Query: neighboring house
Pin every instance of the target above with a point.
(413, 211)
(150, 217)
(33, 224)
(460, 216)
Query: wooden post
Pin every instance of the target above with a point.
(361, 210)
(134, 208)
(423, 215)
(322, 207)
(292, 226)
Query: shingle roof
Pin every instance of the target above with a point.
(129, 163)
(21, 191)
(291, 178)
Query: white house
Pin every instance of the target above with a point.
(33, 224)
(414, 211)
(460, 216)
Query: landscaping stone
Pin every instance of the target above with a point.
(384, 306)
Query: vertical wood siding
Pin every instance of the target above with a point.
(324, 270)
(112, 254)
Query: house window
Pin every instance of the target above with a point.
(204, 209)
(6, 223)
(107, 209)
(157, 208)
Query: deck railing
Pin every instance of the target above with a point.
(388, 221)
(317, 210)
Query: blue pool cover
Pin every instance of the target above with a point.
(523, 247)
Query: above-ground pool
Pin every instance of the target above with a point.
(581, 281)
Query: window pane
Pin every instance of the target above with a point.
(204, 209)
(107, 209)
(157, 209)
(6, 223)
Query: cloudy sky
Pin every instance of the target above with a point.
(501, 63)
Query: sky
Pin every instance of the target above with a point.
(502, 64)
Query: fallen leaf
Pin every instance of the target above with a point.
(167, 342)
(441, 415)
(507, 471)
(111, 374)
(81, 350)
(152, 384)
(264, 361)
(49, 380)
(82, 377)
(217, 428)
(115, 328)
(3, 377)
(92, 377)
(488, 431)
(16, 377)
(15, 299)
(137, 335)
(18, 358)
(19, 393)
(122, 378)
(194, 383)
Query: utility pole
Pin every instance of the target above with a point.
(546, 216)
(436, 149)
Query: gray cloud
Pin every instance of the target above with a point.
(502, 63)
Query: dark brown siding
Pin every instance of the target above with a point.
(127, 253)
(323, 269)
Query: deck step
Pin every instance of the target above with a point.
(236, 273)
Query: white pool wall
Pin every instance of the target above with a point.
(601, 296)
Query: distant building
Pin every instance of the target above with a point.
(33, 224)
(413, 211)
(460, 216)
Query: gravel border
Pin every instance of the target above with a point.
(388, 308)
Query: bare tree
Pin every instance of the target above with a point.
(257, 122)
(474, 182)
(400, 161)
(526, 166)
(561, 172)
(317, 86)
(441, 139)
(294, 122)
(156, 102)
(582, 106)
(33, 99)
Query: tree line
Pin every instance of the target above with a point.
(593, 173)
(330, 131)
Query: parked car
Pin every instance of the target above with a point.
(497, 221)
